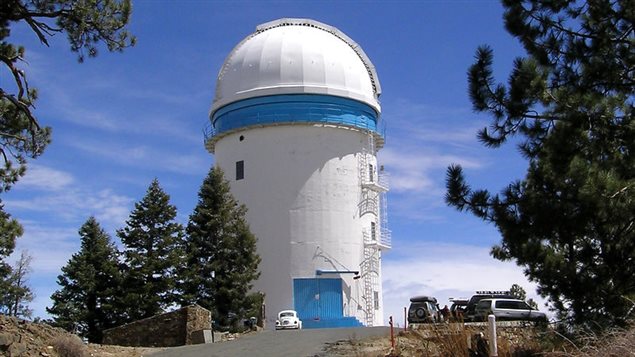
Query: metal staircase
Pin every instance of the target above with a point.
(377, 237)
(370, 270)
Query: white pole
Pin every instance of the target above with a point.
(493, 347)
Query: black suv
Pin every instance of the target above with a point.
(423, 309)
(457, 310)
(469, 314)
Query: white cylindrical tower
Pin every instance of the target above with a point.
(295, 129)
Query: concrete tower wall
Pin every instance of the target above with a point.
(302, 188)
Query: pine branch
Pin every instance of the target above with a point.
(23, 108)
(18, 77)
(558, 26)
(4, 155)
(13, 136)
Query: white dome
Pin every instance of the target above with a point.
(297, 56)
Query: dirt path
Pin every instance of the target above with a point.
(303, 343)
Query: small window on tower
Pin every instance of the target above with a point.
(373, 231)
(371, 173)
(240, 170)
(376, 299)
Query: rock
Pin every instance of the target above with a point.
(6, 339)
(16, 349)
(44, 354)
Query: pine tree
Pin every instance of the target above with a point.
(571, 221)
(152, 240)
(519, 292)
(15, 297)
(87, 302)
(10, 229)
(221, 258)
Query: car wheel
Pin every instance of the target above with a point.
(421, 313)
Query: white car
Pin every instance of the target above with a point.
(288, 319)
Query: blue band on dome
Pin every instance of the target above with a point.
(294, 108)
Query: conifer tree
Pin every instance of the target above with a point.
(570, 104)
(10, 229)
(152, 241)
(87, 302)
(220, 250)
(15, 297)
(519, 292)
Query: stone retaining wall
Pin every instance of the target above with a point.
(173, 328)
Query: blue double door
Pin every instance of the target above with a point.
(318, 299)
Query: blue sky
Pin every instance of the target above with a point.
(120, 120)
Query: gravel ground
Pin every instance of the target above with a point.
(291, 343)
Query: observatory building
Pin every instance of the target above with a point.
(296, 128)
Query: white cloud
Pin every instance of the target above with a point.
(82, 103)
(143, 156)
(431, 123)
(109, 119)
(190, 164)
(417, 179)
(45, 178)
(445, 271)
(415, 169)
(429, 140)
(50, 247)
(76, 204)
(62, 199)
(70, 110)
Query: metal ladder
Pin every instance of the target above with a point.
(369, 204)
(370, 269)
(369, 149)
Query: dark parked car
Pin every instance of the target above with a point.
(457, 309)
(423, 309)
